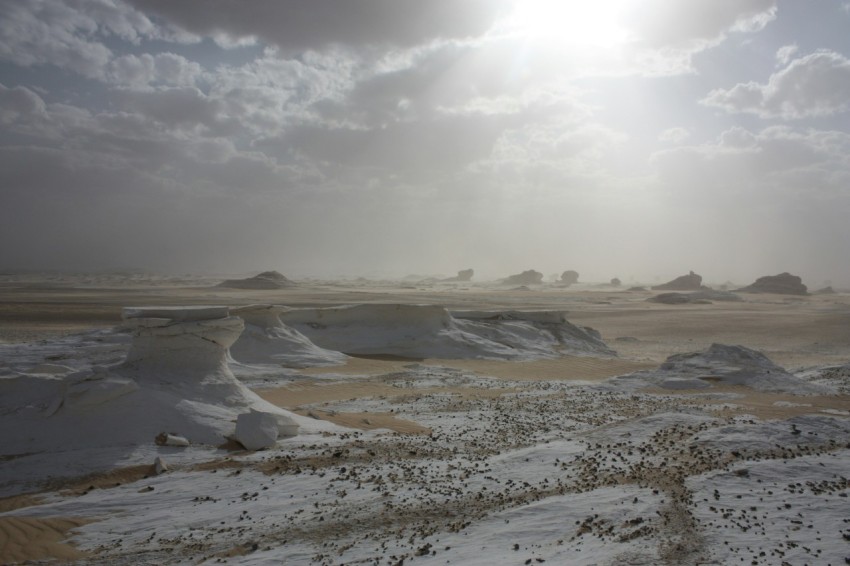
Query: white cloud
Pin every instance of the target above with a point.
(815, 85)
(784, 53)
(165, 69)
(72, 35)
(674, 135)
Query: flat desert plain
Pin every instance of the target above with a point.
(739, 453)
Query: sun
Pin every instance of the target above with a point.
(580, 23)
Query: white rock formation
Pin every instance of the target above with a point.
(268, 340)
(730, 365)
(175, 379)
(430, 331)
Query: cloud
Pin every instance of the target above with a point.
(34, 32)
(145, 70)
(73, 35)
(674, 135)
(698, 23)
(19, 103)
(785, 53)
(769, 164)
(815, 85)
(296, 25)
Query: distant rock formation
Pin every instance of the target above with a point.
(616, 282)
(782, 284)
(529, 277)
(462, 275)
(569, 277)
(689, 282)
(265, 280)
(828, 290)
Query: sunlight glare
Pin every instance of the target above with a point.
(570, 22)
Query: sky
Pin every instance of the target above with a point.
(637, 139)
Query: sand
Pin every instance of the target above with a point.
(38, 538)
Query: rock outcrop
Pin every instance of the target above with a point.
(724, 364)
(264, 281)
(175, 378)
(529, 277)
(431, 331)
(689, 282)
(782, 284)
(266, 339)
(569, 277)
(462, 275)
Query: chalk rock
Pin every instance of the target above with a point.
(166, 439)
(431, 331)
(190, 343)
(266, 339)
(159, 466)
(265, 280)
(689, 282)
(88, 389)
(256, 430)
(782, 284)
(731, 365)
(529, 277)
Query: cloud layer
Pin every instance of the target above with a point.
(329, 138)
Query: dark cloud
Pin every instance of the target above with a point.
(298, 25)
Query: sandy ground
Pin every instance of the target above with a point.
(795, 332)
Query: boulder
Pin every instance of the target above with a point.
(256, 430)
(689, 282)
(264, 281)
(615, 282)
(529, 277)
(782, 284)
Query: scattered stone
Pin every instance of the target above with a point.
(170, 439)
(159, 466)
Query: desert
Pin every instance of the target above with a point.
(470, 425)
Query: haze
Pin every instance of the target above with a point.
(637, 139)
